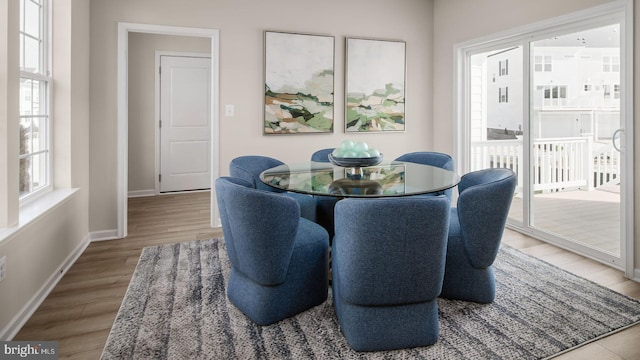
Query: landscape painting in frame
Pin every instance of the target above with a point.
(298, 83)
(375, 85)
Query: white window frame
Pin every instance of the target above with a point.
(44, 77)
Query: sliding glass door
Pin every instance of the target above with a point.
(574, 119)
(550, 105)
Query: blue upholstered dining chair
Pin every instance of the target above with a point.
(475, 232)
(249, 168)
(432, 158)
(324, 204)
(387, 268)
(279, 263)
(322, 155)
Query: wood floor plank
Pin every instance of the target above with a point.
(58, 314)
(84, 347)
(75, 327)
(619, 344)
(81, 309)
(84, 296)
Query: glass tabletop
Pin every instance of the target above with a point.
(387, 179)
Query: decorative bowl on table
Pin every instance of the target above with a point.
(355, 162)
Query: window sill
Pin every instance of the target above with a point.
(35, 209)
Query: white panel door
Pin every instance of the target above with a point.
(185, 114)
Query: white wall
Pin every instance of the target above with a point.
(464, 20)
(142, 121)
(242, 24)
(37, 258)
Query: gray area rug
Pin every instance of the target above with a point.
(176, 308)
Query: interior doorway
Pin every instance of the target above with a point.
(123, 118)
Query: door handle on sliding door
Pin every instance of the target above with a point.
(613, 139)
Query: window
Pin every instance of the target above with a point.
(503, 67)
(610, 64)
(35, 83)
(537, 63)
(542, 63)
(607, 91)
(547, 63)
(503, 95)
(615, 66)
(554, 95)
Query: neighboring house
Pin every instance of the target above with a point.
(575, 85)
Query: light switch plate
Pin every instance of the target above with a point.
(229, 110)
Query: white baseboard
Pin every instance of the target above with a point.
(32, 305)
(103, 235)
(141, 193)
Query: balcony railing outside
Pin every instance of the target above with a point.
(557, 164)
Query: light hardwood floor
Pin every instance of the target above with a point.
(81, 309)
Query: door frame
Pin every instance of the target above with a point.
(517, 35)
(124, 28)
(158, 55)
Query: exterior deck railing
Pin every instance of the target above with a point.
(557, 164)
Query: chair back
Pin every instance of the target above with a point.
(436, 159)
(322, 155)
(249, 167)
(483, 207)
(391, 251)
(259, 246)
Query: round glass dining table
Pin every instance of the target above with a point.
(383, 180)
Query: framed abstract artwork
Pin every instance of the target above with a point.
(298, 83)
(375, 85)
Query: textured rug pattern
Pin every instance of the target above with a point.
(176, 308)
